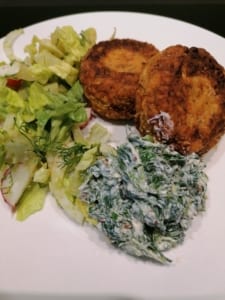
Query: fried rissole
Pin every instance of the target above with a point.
(181, 99)
(110, 73)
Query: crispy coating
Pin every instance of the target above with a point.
(110, 73)
(181, 99)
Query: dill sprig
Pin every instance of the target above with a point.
(71, 155)
(40, 144)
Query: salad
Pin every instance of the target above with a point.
(41, 107)
(141, 195)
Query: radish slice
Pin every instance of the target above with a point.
(15, 180)
(89, 117)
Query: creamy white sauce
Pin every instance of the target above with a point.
(162, 125)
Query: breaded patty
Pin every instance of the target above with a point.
(181, 99)
(110, 73)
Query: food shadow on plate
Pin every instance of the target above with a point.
(43, 296)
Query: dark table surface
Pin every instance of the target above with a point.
(20, 13)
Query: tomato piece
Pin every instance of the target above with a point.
(14, 83)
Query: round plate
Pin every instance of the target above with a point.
(51, 255)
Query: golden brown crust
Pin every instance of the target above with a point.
(181, 99)
(110, 73)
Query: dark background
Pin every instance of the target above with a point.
(20, 13)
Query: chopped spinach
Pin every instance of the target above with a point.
(145, 196)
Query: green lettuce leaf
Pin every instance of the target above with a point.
(58, 56)
(32, 200)
(10, 101)
(68, 164)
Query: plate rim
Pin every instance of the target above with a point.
(86, 14)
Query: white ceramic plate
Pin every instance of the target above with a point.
(50, 255)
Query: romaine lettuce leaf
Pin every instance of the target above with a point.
(68, 164)
(32, 200)
(73, 45)
(10, 100)
(59, 55)
(57, 66)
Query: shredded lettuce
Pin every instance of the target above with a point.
(42, 174)
(67, 164)
(10, 100)
(61, 189)
(31, 201)
(39, 123)
(57, 56)
(50, 59)
(73, 45)
(41, 114)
